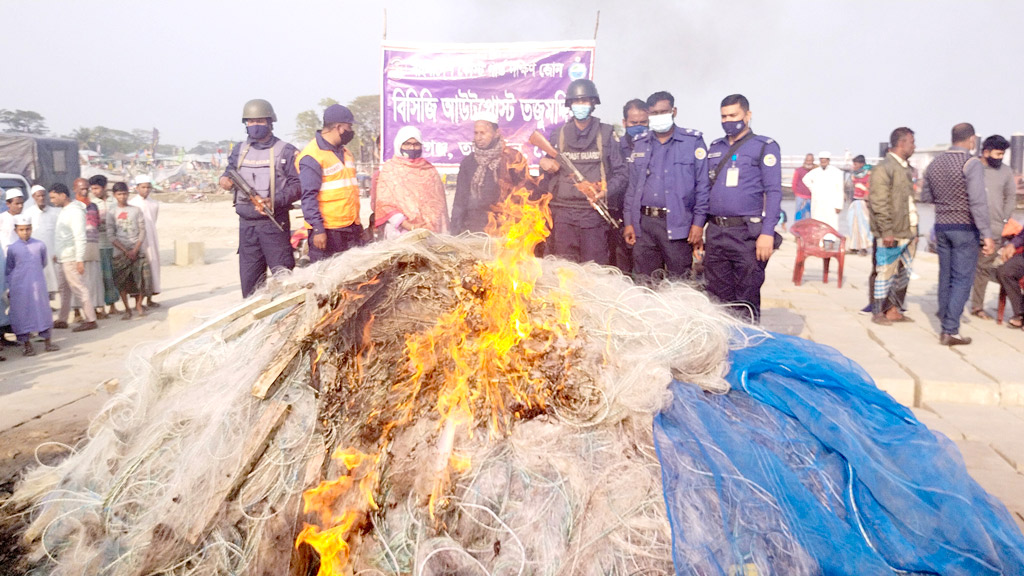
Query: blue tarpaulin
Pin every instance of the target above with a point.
(806, 467)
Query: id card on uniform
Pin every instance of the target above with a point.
(732, 177)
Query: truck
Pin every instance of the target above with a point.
(39, 159)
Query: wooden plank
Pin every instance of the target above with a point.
(255, 446)
(236, 312)
(273, 370)
(296, 297)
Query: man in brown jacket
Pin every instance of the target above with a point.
(894, 226)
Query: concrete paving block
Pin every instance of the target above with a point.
(938, 424)
(933, 390)
(980, 457)
(187, 253)
(1011, 394)
(1017, 411)
(1011, 449)
(981, 423)
(903, 390)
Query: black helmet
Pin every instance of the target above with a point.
(582, 88)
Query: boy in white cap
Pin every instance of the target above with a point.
(30, 302)
(150, 210)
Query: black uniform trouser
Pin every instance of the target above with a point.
(620, 254)
(578, 236)
(654, 250)
(260, 246)
(733, 273)
(338, 240)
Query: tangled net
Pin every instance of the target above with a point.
(438, 405)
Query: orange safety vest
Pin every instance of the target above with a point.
(339, 191)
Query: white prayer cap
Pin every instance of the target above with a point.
(38, 188)
(23, 220)
(143, 179)
(824, 154)
(13, 193)
(486, 116)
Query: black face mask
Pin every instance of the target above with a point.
(413, 153)
(994, 162)
(346, 137)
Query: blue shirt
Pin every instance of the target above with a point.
(681, 168)
(758, 191)
(660, 177)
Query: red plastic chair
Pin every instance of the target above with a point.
(809, 234)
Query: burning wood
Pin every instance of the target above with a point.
(484, 411)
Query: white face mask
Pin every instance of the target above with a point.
(660, 123)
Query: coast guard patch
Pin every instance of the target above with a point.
(770, 160)
(700, 153)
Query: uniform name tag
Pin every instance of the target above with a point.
(715, 155)
(732, 177)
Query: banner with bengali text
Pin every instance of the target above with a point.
(439, 88)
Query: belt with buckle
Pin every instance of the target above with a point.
(653, 212)
(728, 221)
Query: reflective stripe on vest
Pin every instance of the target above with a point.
(339, 190)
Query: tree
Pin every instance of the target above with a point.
(308, 122)
(25, 121)
(366, 110)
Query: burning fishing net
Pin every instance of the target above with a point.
(444, 405)
(434, 405)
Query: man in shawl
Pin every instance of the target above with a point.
(128, 237)
(30, 302)
(150, 208)
(487, 176)
(93, 269)
(44, 224)
(409, 193)
(857, 215)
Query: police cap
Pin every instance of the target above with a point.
(258, 108)
(582, 88)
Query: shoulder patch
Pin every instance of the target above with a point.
(770, 160)
(700, 153)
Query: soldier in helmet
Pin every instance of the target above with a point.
(579, 233)
(268, 164)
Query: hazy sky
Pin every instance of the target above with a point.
(832, 74)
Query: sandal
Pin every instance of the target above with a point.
(1017, 322)
(126, 316)
(981, 314)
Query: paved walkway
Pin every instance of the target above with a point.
(973, 394)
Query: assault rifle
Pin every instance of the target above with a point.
(256, 199)
(588, 189)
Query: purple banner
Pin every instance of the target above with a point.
(440, 88)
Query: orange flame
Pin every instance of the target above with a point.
(477, 355)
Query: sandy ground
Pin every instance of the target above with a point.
(47, 401)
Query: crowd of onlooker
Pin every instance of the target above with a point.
(87, 248)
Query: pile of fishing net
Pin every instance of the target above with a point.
(439, 405)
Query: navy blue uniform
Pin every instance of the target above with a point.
(260, 244)
(667, 193)
(578, 232)
(741, 208)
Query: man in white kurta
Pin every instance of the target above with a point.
(150, 210)
(44, 225)
(826, 185)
